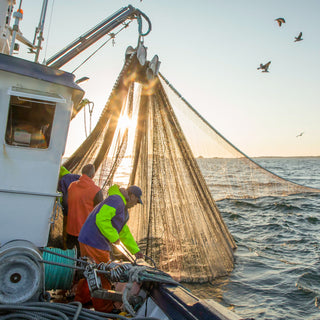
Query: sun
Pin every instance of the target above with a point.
(124, 122)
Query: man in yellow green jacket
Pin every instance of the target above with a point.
(107, 225)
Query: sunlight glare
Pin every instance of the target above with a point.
(125, 122)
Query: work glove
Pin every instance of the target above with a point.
(139, 255)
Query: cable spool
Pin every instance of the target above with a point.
(58, 277)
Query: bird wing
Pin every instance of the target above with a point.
(280, 21)
(299, 37)
(267, 64)
(264, 66)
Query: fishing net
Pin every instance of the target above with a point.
(150, 136)
(229, 172)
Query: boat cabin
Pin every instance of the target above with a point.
(36, 103)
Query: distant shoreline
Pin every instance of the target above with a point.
(286, 157)
(264, 157)
(260, 157)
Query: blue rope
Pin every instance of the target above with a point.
(140, 23)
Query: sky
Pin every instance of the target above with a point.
(209, 51)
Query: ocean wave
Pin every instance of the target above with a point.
(309, 282)
(313, 220)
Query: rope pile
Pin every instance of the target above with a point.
(54, 311)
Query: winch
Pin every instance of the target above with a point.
(21, 273)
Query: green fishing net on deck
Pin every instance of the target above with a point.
(150, 136)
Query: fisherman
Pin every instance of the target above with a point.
(83, 196)
(107, 225)
(65, 179)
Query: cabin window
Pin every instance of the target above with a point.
(30, 118)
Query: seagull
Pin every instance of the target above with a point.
(300, 135)
(298, 38)
(280, 21)
(264, 66)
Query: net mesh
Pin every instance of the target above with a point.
(150, 136)
(230, 173)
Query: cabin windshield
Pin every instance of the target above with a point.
(29, 122)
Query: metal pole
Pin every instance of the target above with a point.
(85, 36)
(40, 28)
(18, 16)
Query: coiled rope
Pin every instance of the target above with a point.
(59, 277)
(54, 311)
(133, 277)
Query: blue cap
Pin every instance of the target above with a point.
(136, 191)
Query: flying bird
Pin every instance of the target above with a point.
(300, 135)
(280, 21)
(265, 67)
(299, 37)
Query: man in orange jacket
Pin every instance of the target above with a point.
(83, 196)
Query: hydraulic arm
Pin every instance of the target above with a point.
(97, 32)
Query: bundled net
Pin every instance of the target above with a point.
(148, 135)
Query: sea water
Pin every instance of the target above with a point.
(277, 267)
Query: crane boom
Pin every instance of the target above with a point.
(96, 33)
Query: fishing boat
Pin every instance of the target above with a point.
(38, 102)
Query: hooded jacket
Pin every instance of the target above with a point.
(107, 223)
(81, 196)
